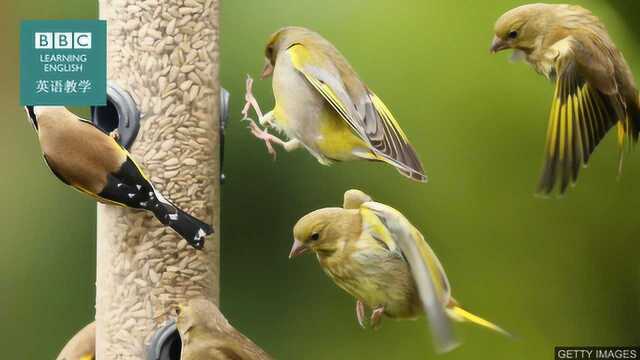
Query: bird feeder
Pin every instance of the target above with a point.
(163, 54)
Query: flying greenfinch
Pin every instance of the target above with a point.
(82, 345)
(595, 89)
(374, 253)
(89, 160)
(321, 104)
(207, 335)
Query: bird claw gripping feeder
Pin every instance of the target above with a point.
(163, 63)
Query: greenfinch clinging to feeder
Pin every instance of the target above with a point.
(374, 253)
(322, 104)
(207, 335)
(84, 157)
(595, 89)
(82, 345)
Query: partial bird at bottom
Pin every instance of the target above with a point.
(207, 335)
(82, 345)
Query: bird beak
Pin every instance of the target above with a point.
(298, 248)
(498, 44)
(267, 70)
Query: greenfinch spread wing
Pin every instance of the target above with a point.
(581, 113)
(595, 88)
(428, 274)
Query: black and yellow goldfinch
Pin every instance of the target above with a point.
(374, 253)
(595, 89)
(84, 157)
(323, 106)
(207, 335)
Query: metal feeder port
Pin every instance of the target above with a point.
(165, 344)
(120, 113)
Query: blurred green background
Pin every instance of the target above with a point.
(559, 271)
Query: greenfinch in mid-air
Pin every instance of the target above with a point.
(82, 345)
(321, 104)
(374, 253)
(207, 335)
(84, 157)
(594, 85)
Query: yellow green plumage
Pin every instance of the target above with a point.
(595, 89)
(375, 254)
(322, 104)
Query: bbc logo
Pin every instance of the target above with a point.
(63, 40)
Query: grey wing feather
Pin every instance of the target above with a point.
(372, 124)
(347, 109)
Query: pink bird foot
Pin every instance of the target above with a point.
(360, 313)
(376, 317)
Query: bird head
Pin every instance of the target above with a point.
(323, 231)
(522, 28)
(279, 41)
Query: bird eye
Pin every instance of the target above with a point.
(315, 236)
(513, 34)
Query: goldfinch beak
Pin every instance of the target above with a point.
(497, 45)
(267, 70)
(298, 248)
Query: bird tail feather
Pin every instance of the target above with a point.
(191, 229)
(410, 172)
(459, 314)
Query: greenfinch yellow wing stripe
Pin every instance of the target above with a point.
(370, 218)
(580, 116)
(387, 116)
(394, 144)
